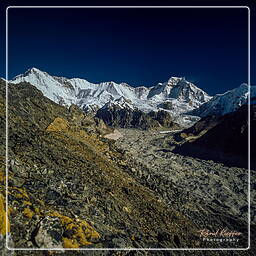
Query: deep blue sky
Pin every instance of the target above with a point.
(137, 46)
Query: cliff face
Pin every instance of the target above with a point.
(126, 118)
(134, 118)
(70, 187)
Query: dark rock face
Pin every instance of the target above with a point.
(163, 118)
(128, 118)
(222, 138)
(166, 105)
(125, 118)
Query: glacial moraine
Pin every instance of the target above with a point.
(211, 194)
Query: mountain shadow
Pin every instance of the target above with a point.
(221, 138)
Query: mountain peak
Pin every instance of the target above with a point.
(34, 69)
(30, 71)
(183, 94)
(227, 102)
(173, 80)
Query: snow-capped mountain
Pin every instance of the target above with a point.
(180, 89)
(182, 99)
(59, 89)
(227, 102)
(182, 95)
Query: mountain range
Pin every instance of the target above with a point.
(184, 101)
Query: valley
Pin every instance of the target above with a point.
(204, 183)
(211, 194)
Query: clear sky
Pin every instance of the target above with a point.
(137, 46)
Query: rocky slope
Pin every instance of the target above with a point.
(71, 188)
(221, 138)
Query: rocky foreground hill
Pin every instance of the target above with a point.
(69, 187)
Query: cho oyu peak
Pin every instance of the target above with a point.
(182, 95)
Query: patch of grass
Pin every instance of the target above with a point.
(59, 124)
(28, 213)
(70, 243)
(3, 219)
(82, 233)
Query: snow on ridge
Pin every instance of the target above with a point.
(226, 102)
(181, 95)
(177, 95)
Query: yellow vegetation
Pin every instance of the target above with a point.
(95, 149)
(3, 220)
(63, 219)
(183, 135)
(18, 192)
(70, 243)
(82, 133)
(27, 203)
(59, 124)
(2, 176)
(84, 234)
(28, 213)
(37, 211)
(40, 202)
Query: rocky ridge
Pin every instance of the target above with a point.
(115, 116)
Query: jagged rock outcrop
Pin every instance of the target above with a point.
(130, 118)
(163, 118)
